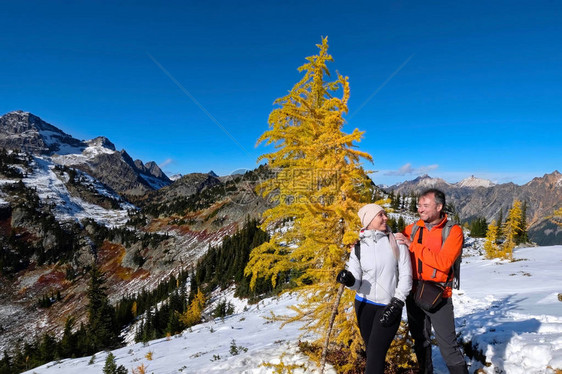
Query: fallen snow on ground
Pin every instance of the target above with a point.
(240, 343)
(510, 311)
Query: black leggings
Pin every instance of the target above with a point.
(376, 337)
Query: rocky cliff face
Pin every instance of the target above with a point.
(29, 133)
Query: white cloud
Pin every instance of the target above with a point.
(407, 169)
(166, 163)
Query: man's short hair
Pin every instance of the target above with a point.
(438, 194)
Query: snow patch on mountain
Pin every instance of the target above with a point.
(83, 156)
(57, 140)
(473, 182)
(175, 177)
(51, 190)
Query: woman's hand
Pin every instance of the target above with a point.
(392, 313)
(345, 277)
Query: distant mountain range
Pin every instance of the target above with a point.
(475, 197)
(97, 157)
(135, 180)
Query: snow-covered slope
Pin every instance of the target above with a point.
(52, 190)
(511, 311)
(239, 343)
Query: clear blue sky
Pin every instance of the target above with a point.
(451, 88)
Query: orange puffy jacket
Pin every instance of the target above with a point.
(436, 259)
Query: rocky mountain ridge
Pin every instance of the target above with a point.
(98, 157)
(474, 198)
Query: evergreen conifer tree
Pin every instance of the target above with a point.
(499, 223)
(413, 203)
(319, 188)
(67, 345)
(478, 227)
(6, 365)
(111, 367)
(522, 237)
(102, 328)
(401, 225)
(396, 202)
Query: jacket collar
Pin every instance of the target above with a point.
(441, 224)
(373, 234)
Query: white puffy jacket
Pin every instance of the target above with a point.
(379, 276)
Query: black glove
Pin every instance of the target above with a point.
(345, 277)
(392, 312)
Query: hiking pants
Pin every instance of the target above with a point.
(443, 322)
(376, 337)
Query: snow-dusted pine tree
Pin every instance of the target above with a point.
(319, 186)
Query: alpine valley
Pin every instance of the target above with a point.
(66, 202)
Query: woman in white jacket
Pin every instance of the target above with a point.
(382, 277)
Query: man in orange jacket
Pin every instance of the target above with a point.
(432, 260)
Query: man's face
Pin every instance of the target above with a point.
(429, 211)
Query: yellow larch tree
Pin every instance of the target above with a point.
(134, 309)
(192, 315)
(318, 188)
(556, 217)
(490, 245)
(511, 228)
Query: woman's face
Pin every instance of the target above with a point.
(379, 222)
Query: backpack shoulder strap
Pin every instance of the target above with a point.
(393, 245)
(446, 231)
(358, 250)
(414, 230)
(455, 282)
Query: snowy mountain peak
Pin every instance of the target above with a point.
(473, 182)
(427, 181)
(96, 157)
(419, 184)
(29, 133)
(101, 141)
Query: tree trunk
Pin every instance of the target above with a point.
(330, 326)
